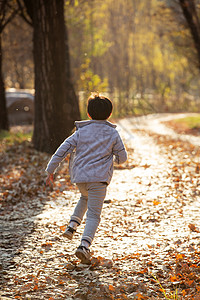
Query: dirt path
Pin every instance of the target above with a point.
(149, 227)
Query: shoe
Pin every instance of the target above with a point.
(83, 254)
(69, 232)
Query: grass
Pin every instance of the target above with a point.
(11, 137)
(170, 296)
(187, 125)
(190, 122)
(8, 138)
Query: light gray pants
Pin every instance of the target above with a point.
(91, 200)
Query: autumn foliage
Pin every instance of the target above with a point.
(147, 245)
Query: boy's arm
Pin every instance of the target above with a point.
(119, 151)
(66, 147)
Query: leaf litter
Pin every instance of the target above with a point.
(147, 245)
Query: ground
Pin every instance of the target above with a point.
(148, 243)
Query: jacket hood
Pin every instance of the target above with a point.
(80, 124)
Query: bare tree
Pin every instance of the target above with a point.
(18, 68)
(8, 10)
(56, 105)
(189, 10)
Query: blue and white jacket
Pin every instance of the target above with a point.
(92, 148)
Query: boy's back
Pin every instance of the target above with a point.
(96, 142)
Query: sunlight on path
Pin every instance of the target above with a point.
(149, 219)
(145, 194)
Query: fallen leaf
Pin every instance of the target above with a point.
(193, 227)
(111, 287)
(156, 202)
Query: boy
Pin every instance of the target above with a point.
(95, 142)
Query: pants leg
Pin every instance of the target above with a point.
(81, 206)
(96, 196)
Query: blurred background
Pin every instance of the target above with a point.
(140, 53)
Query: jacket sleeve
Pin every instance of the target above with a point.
(119, 151)
(66, 147)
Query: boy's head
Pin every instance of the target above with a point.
(99, 107)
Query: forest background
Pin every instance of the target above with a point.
(140, 53)
(143, 54)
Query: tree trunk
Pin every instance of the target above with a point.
(56, 105)
(3, 110)
(190, 13)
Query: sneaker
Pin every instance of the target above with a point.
(69, 232)
(83, 254)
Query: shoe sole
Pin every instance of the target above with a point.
(68, 235)
(81, 256)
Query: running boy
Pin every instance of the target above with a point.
(95, 141)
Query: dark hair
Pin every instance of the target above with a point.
(99, 107)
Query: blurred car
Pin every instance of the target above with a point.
(20, 106)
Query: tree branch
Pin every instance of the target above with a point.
(191, 16)
(4, 21)
(24, 12)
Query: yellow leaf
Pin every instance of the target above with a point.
(173, 278)
(183, 293)
(180, 256)
(156, 202)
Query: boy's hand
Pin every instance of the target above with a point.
(49, 180)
